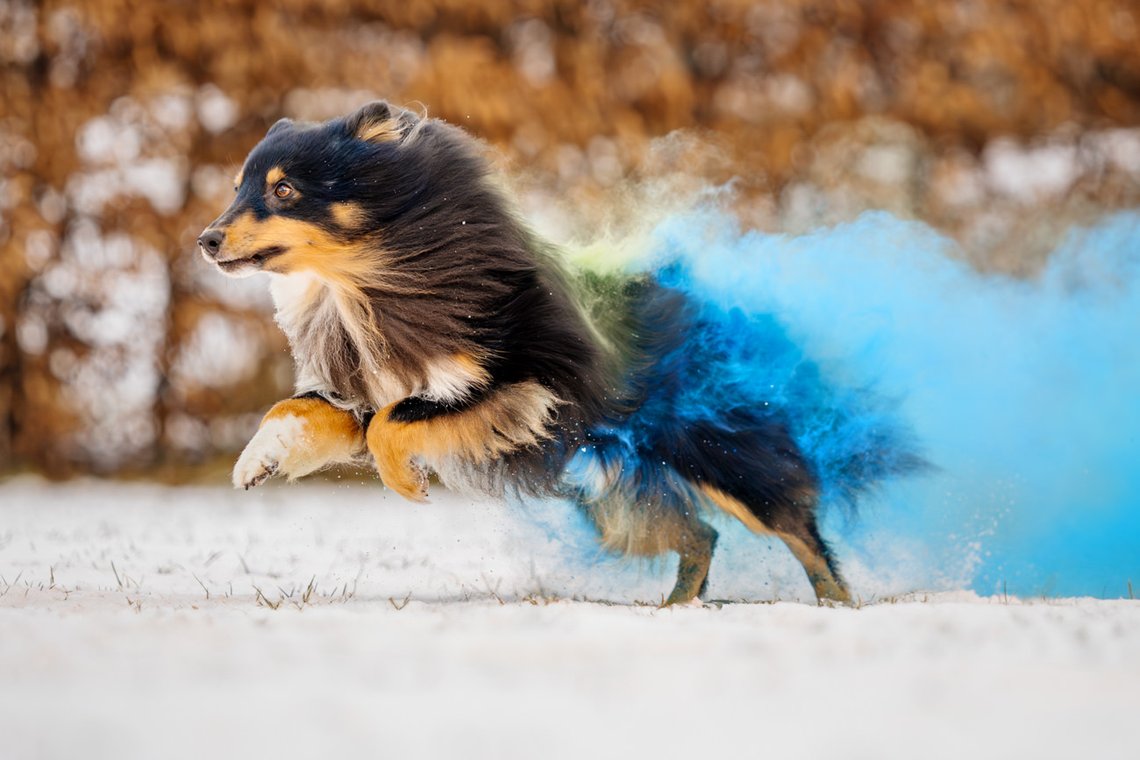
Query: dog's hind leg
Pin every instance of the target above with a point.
(813, 553)
(796, 527)
(694, 547)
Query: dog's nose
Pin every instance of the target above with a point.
(211, 242)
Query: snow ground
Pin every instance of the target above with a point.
(140, 621)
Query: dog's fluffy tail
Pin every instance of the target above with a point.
(724, 398)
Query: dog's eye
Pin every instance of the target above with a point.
(283, 190)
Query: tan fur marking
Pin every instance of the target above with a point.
(331, 434)
(736, 509)
(388, 130)
(274, 175)
(825, 585)
(307, 246)
(475, 370)
(452, 377)
(511, 419)
(349, 214)
(239, 177)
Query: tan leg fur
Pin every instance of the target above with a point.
(297, 437)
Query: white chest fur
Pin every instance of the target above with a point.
(311, 317)
(294, 296)
(315, 320)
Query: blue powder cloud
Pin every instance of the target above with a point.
(1024, 394)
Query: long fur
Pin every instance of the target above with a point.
(415, 299)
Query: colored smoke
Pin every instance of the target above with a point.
(1023, 393)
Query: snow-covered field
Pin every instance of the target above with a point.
(330, 621)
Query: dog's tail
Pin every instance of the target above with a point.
(725, 398)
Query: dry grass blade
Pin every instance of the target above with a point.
(494, 592)
(8, 586)
(263, 600)
(203, 585)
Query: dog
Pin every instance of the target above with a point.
(433, 332)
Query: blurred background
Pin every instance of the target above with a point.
(1001, 124)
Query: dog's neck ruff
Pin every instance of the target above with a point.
(330, 355)
(328, 328)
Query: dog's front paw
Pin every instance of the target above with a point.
(269, 452)
(410, 481)
(252, 471)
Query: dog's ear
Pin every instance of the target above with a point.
(377, 122)
(279, 125)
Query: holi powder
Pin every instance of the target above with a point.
(1022, 394)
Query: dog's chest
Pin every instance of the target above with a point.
(331, 359)
(327, 359)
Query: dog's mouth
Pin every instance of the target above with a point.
(256, 260)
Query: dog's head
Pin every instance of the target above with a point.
(310, 196)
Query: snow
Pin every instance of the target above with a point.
(336, 620)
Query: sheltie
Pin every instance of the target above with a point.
(433, 332)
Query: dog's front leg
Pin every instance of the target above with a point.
(471, 431)
(394, 443)
(299, 436)
(401, 434)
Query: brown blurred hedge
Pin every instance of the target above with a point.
(770, 80)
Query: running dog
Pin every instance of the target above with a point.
(433, 332)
